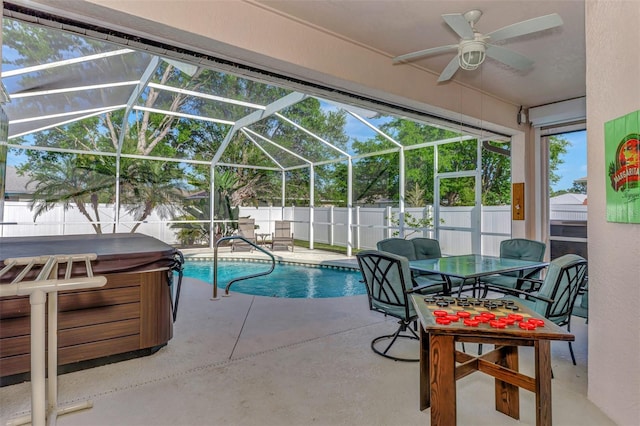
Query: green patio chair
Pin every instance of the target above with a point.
(556, 294)
(416, 249)
(522, 249)
(388, 281)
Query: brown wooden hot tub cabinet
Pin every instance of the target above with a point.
(130, 314)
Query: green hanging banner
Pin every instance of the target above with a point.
(622, 156)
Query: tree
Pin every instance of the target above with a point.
(61, 182)
(151, 186)
(197, 207)
(415, 224)
(557, 148)
(381, 172)
(378, 176)
(415, 196)
(256, 185)
(578, 187)
(496, 175)
(145, 185)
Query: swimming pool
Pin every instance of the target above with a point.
(286, 280)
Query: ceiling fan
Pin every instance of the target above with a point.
(474, 47)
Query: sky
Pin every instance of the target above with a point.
(575, 160)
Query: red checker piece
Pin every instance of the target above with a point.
(481, 318)
(525, 325)
(497, 324)
(464, 314)
(489, 315)
(508, 320)
(471, 322)
(516, 317)
(452, 318)
(537, 322)
(443, 320)
(440, 313)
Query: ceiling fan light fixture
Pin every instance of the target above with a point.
(471, 54)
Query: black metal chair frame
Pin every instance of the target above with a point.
(576, 273)
(380, 290)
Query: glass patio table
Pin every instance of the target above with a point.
(472, 267)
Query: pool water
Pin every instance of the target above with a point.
(286, 280)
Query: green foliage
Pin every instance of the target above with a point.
(415, 197)
(196, 232)
(578, 188)
(496, 176)
(197, 208)
(226, 183)
(377, 176)
(557, 148)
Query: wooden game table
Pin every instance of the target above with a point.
(441, 365)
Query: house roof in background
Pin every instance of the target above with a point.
(16, 184)
(569, 198)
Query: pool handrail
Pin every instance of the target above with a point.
(215, 264)
(177, 266)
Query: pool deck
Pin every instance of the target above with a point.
(253, 360)
(299, 255)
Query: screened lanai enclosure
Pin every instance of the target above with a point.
(107, 134)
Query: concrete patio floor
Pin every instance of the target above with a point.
(252, 360)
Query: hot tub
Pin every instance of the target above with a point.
(131, 315)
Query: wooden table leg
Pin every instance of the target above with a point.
(425, 391)
(542, 350)
(507, 395)
(442, 374)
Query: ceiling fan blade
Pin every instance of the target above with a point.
(459, 24)
(450, 70)
(540, 23)
(414, 55)
(509, 57)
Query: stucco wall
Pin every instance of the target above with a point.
(613, 71)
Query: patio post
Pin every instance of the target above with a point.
(212, 207)
(283, 187)
(358, 227)
(331, 224)
(401, 178)
(311, 198)
(425, 214)
(349, 206)
(387, 220)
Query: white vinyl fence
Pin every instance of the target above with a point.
(59, 221)
(330, 224)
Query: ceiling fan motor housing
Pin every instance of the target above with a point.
(471, 54)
